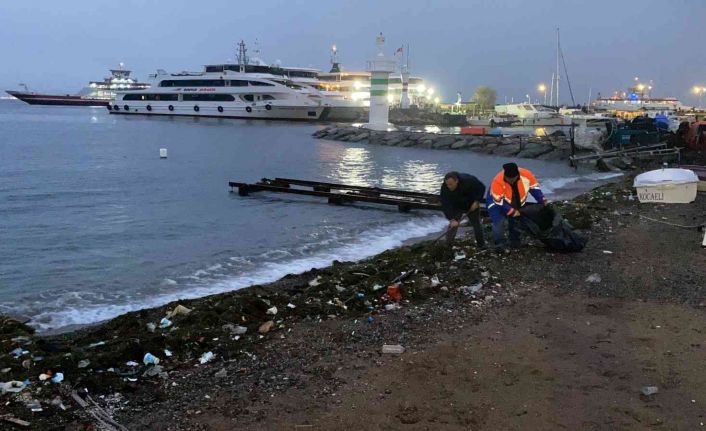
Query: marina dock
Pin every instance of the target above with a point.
(340, 194)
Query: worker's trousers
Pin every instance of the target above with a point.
(513, 227)
(473, 220)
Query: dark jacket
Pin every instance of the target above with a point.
(455, 203)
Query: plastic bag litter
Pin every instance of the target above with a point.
(206, 357)
(179, 309)
(547, 225)
(12, 386)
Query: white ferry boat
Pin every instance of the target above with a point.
(241, 90)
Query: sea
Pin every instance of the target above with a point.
(94, 224)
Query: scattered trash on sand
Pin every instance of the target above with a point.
(206, 357)
(272, 311)
(593, 278)
(149, 359)
(393, 349)
(266, 327)
(469, 290)
(649, 390)
(165, 323)
(178, 310)
(13, 386)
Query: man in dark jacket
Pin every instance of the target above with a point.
(462, 194)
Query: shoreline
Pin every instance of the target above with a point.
(344, 294)
(567, 191)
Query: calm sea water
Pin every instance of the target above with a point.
(93, 224)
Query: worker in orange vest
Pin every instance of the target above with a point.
(506, 197)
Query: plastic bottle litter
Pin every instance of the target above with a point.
(272, 311)
(34, 405)
(58, 378)
(18, 352)
(150, 359)
(165, 323)
(12, 386)
(206, 357)
(83, 363)
(393, 349)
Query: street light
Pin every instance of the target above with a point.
(543, 89)
(529, 100)
(699, 91)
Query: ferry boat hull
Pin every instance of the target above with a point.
(53, 99)
(289, 113)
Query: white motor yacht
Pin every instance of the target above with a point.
(241, 90)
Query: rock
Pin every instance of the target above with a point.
(221, 374)
(649, 390)
(266, 327)
(392, 349)
(443, 141)
(602, 166)
(556, 154)
(426, 143)
(359, 137)
(460, 144)
(593, 278)
(507, 149)
(534, 150)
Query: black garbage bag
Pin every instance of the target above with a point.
(547, 225)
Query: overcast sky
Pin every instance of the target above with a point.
(509, 45)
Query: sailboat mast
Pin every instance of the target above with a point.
(551, 92)
(557, 66)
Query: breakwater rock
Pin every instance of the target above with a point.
(554, 147)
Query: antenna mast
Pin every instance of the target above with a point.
(242, 58)
(557, 67)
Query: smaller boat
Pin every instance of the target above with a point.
(667, 186)
(53, 99)
(97, 93)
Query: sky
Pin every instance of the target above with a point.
(509, 45)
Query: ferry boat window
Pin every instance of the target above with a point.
(151, 97)
(267, 97)
(261, 84)
(248, 97)
(212, 97)
(192, 83)
(238, 83)
(214, 68)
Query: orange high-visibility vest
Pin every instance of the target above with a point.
(501, 191)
